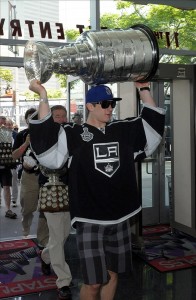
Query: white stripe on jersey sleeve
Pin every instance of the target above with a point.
(152, 137)
(57, 155)
(153, 140)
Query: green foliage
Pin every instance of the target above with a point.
(110, 21)
(55, 93)
(122, 5)
(72, 34)
(52, 94)
(167, 18)
(161, 19)
(62, 79)
(6, 75)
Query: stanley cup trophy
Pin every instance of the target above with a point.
(97, 57)
(53, 195)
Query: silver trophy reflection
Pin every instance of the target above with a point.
(97, 57)
(53, 195)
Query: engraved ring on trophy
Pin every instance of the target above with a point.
(97, 57)
(53, 195)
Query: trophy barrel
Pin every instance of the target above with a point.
(122, 55)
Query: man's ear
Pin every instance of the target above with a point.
(90, 106)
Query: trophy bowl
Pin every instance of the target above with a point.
(38, 61)
(53, 175)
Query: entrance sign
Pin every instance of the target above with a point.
(45, 28)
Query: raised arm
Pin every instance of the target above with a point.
(19, 152)
(48, 138)
(36, 87)
(145, 95)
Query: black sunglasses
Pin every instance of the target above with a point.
(106, 103)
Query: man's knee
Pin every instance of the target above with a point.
(113, 276)
(92, 289)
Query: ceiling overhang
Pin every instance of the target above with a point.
(181, 4)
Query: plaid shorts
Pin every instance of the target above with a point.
(102, 248)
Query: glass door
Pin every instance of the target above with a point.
(156, 170)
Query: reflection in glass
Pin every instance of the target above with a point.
(156, 170)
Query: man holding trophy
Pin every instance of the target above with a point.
(53, 203)
(101, 154)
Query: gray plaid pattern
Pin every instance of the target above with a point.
(102, 248)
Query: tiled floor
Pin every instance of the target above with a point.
(144, 283)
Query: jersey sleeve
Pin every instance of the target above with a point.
(153, 121)
(18, 141)
(48, 142)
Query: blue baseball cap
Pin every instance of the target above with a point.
(100, 93)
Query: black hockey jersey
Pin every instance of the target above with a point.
(102, 179)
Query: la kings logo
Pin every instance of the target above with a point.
(106, 158)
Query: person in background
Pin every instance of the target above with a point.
(15, 128)
(77, 118)
(15, 173)
(103, 189)
(29, 186)
(6, 176)
(2, 121)
(2, 124)
(14, 170)
(59, 225)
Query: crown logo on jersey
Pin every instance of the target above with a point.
(109, 168)
(86, 135)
